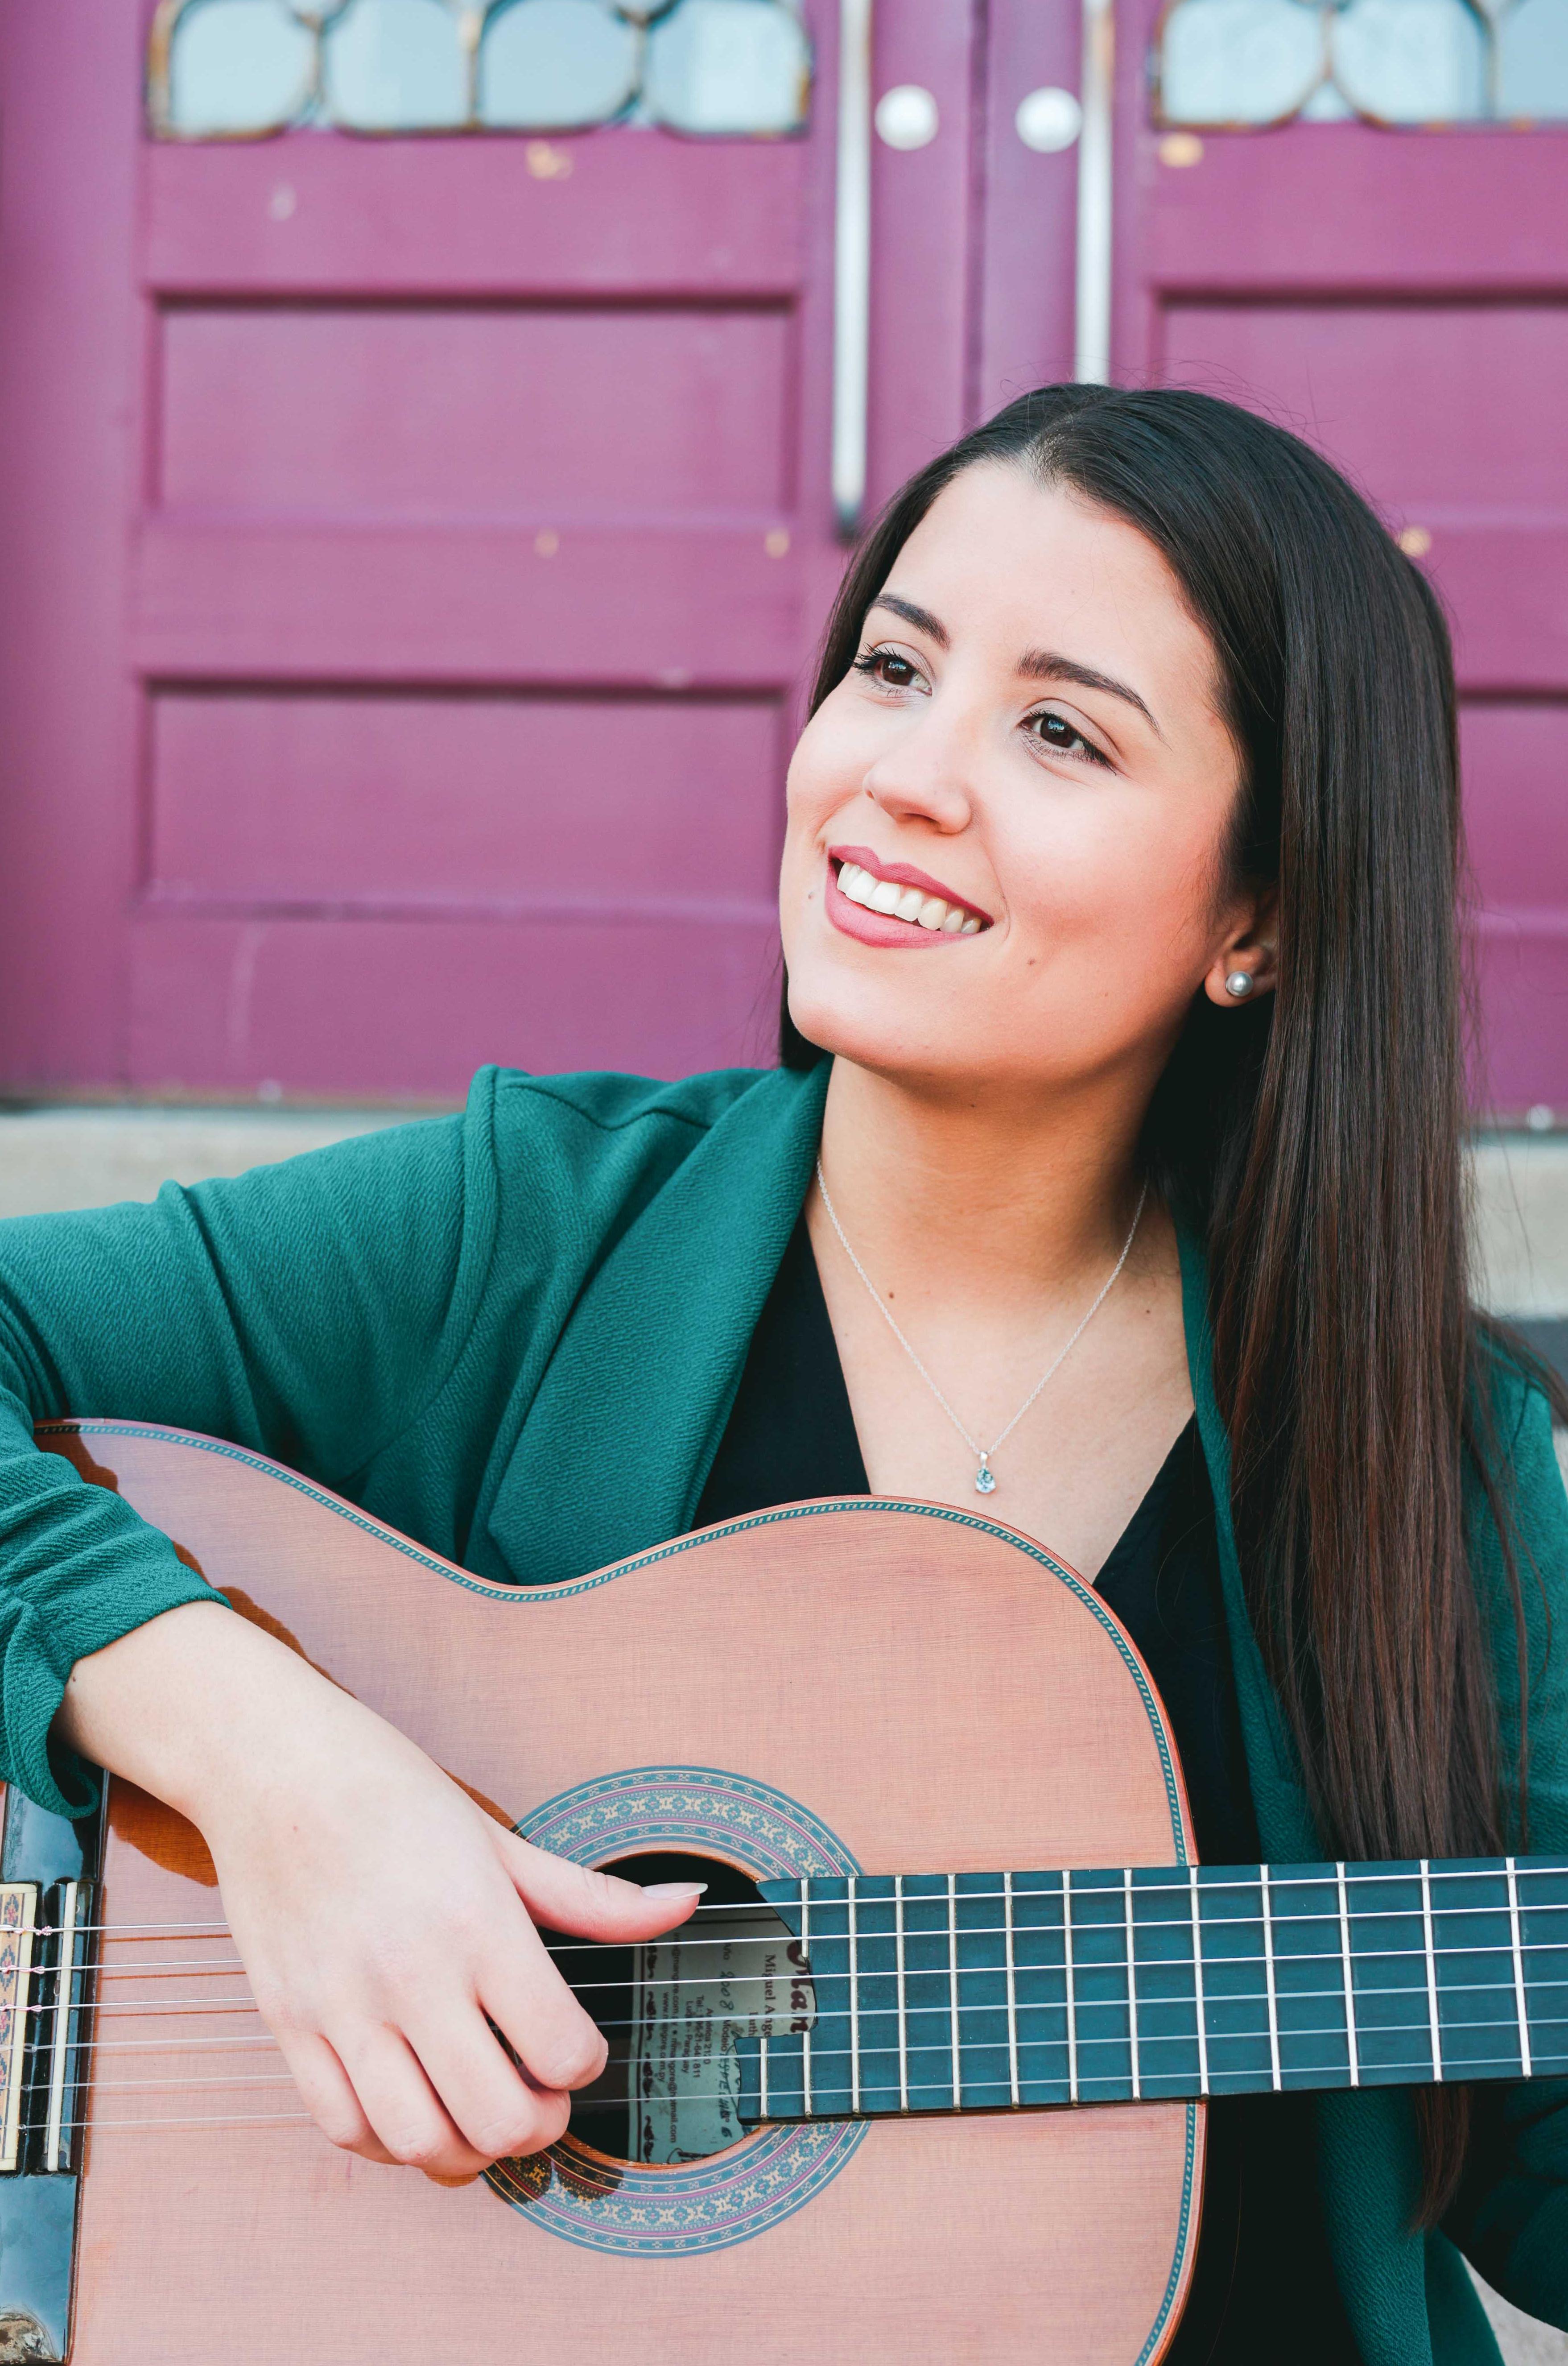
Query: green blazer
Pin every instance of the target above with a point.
(516, 1335)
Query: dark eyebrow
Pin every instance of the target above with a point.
(1044, 665)
(1034, 665)
(920, 618)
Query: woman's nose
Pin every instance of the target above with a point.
(926, 776)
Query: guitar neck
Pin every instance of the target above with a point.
(983, 1992)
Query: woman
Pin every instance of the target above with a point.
(1119, 882)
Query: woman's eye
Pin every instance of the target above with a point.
(886, 666)
(1054, 731)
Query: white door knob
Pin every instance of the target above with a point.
(906, 116)
(1048, 119)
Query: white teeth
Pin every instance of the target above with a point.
(910, 903)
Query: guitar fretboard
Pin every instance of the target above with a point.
(982, 1991)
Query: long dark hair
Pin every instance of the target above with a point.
(1315, 1140)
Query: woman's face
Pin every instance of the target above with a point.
(1028, 753)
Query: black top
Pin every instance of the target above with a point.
(1263, 2285)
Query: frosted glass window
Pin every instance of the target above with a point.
(728, 65)
(1410, 61)
(227, 69)
(237, 66)
(1233, 63)
(396, 65)
(546, 65)
(1239, 61)
(1532, 61)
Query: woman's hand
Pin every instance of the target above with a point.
(385, 1921)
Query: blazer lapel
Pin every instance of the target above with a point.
(616, 1446)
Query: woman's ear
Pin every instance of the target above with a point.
(1247, 966)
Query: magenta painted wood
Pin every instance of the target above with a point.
(1024, 301)
(401, 412)
(1402, 300)
(622, 213)
(922, 228)
(413, 1007)
(672, 607)
(69, 458)
(500, 803)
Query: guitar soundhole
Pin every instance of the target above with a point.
(671, 2010)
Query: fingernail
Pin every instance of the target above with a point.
(661, 1890)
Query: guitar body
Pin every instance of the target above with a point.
(831, 1688)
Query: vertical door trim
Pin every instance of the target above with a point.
(1091, 349)
(852, 266)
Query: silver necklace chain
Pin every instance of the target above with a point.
(985, 1477)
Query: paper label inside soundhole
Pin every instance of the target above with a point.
(729, 2197)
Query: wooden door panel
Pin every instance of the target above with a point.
(626, 212)
(1338, 207)
(370, 496)
(401, 412)
(1401, 299)
(1515, 757)
(410, 1007)
(499, 803)
(1404, 396)
(669, 606)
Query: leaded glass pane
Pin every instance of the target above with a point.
(549, 66)
(1410, 61)
(237, 66)
(728, 65)
(1532, 60)
(1239, 61)
(396, 65)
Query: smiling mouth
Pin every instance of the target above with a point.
(920, 907)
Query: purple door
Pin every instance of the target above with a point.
(1353, 216)
(417, 491)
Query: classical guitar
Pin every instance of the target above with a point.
(948, 2011)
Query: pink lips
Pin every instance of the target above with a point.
(880, 928)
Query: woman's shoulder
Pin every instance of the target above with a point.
(596, 1145)
(578, 1105)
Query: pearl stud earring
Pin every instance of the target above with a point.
(1241, 982)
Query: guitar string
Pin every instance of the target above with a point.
(918, 1971)
(1417, 1996)
(1053, 2045)
(1504, 2063)
(1494, 1870)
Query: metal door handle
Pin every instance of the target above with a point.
(852, 266)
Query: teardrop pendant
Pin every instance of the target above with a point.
(985, 1477)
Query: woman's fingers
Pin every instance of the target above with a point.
(328, 2094)
(403, 2110)
(497, 2111)
(574, 1897)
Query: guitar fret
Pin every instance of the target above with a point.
(953, 1983)
(854, 2002)
(1345, 1966)
(1431, 1967)
(1071, 1999)
(1012, 1989)
(1268, 1978)
(1198, 1982)
(806, 1958)
(1132, 1979)
(1520, 2006)
(902, 1993)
